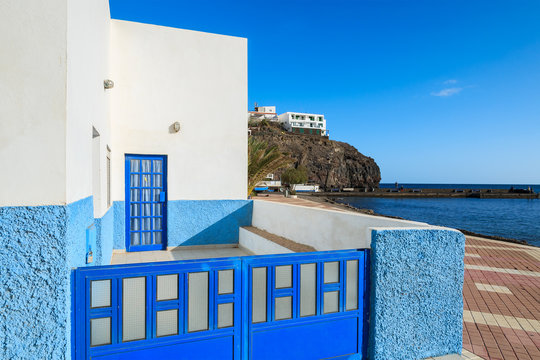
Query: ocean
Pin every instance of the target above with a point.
(509, 218)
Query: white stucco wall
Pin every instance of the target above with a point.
(32, 102)
(87, 101)
(163, 75)
(320, 228)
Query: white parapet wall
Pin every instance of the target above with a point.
(323, 229)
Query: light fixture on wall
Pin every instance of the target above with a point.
(108, 84)
(176, 126)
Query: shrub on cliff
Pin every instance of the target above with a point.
(295, 176)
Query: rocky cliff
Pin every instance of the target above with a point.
(329, 163)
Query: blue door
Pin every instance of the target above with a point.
(146, 202)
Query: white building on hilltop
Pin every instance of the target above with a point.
(302, 123)
(263, 113)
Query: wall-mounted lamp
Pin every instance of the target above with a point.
(176, 126)
(108, 84)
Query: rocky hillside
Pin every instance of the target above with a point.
(329, 163)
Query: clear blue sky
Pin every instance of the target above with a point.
(435, 90)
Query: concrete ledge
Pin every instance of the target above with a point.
(260, 245)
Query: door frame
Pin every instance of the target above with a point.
(127, 202)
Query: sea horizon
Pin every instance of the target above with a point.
(517, 219)
(464, 186)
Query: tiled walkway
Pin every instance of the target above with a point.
(501, 296)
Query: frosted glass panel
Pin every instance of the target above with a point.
(145, 194)
(167, 287)
(198, 301)
(225, 282)
(308, 289)
(100, 293)
(331, 272)
(157, 223)
(351, 301)
(134, 180)
(146, 238)
(157, 237)
(258, 285)
(225, 315)
(283, 308)
(157, 209)
(145, 224)
(134, 164)
(135, 195)
(283, 276)
(157, 166)
(157, 180)
(135, 210)
(145, 181)
(331, 302)
(145, 165)
(134, 309)
(135, 224)
(145, 210)
(167, 322)
(135, 238)
(100, 331)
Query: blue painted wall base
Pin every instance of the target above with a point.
(39, 245)
(416, 293)
(195, 222)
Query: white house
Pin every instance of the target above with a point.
(302, 123)
(263, 113)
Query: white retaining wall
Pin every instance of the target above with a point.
(320, 228)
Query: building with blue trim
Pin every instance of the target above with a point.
(111, 134)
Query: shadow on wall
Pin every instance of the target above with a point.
(207, 222)
(195, 222)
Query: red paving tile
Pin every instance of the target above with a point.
(495, 342)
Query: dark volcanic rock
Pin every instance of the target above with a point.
(329, 163)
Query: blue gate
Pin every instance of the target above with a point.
(293, 306)
(305, 306)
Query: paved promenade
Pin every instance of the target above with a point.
(501, 294)
(501, 317)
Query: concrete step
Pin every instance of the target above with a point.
(262, 242)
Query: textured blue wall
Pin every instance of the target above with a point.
(105, 229)
(195, 222)
(204, 222)
(416, 303)
(34, 283)
(80, 216)
(39, 246)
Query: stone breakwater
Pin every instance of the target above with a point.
(431, 193)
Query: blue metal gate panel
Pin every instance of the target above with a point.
(318, 336)
(337, 334)
(213, 343)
